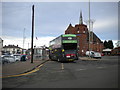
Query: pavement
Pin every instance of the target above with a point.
(20, 67)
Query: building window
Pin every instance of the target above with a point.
(83, 31)
(78, 31)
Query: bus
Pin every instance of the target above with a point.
(64, 48)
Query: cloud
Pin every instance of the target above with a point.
(40, 41)
(43, 41)
(106, 23)
(59, 0)
(107, 27)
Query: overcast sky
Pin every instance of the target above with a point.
(53, 18)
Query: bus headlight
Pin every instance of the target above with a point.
(63, 50)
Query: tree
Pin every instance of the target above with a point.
(110, 44)
(105, 44)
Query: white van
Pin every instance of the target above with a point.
(93, 54)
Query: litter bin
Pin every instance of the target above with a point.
(23, 58)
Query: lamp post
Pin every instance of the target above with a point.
(90, 30)
(92, 22)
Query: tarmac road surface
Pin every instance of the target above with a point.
(79, 74)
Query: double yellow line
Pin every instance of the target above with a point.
(36, 69)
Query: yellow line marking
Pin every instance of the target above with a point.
(62, 66)
(36, 69)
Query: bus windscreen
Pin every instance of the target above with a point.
(70, 46)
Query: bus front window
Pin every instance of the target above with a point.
(70, 46)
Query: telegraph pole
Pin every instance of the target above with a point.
(32, 50)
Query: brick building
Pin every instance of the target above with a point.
(82, 33)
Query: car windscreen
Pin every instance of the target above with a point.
(69, 46)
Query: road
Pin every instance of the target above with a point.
(79, 74)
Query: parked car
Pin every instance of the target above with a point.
(4, 60)
(93, 54)
(17, 57)
(97, 55)
(102, 54)
(8, 59)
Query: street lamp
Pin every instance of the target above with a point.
(90, 31)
